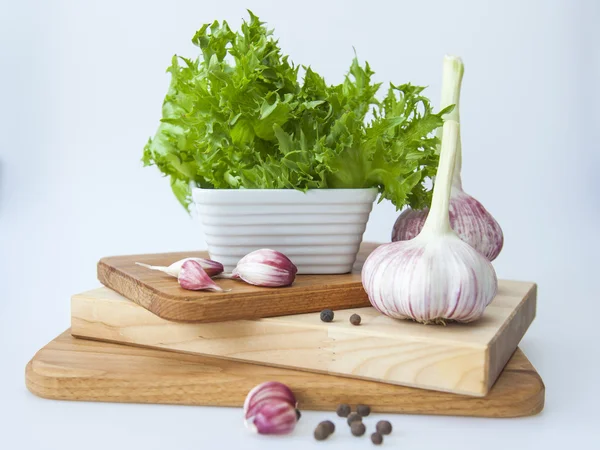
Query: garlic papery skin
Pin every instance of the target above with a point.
(266, 392)
(468, 218)
(429, 281)
(211, 267)
(194, 278)
(270, 408)
(435, 277)
(275, 417)
(471, 221)
(265, 267)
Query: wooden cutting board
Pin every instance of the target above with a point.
(459, 358)
(161, 293)
(78, 369)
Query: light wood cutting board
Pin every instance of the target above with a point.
(78, 369)
(460, 358)
(161, 293)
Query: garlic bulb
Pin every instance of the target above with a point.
(471, 221)
(270, 408)
(435, 276)
(194, 278)
(211, 267)
(267, 268)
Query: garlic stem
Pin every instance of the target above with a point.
(148, 266)
(452, 75)
(438, 220)
(211, 267)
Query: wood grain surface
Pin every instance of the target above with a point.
(459, 358)
(78, 369)
(162, 294)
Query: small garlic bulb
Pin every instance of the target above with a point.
(471, 221)
(435, 276)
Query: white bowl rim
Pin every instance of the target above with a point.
(271, 196)
(195, 188)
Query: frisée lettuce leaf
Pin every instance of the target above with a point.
(242, 115)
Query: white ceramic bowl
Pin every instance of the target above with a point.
(320, 230)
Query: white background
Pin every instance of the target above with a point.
(82, 83)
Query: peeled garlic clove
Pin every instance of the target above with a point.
(267, 268)
(211, 267)
(270, 408)
(266, 392)
(194, 278)
(273, 418)
(468, 218)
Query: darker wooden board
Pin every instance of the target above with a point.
(77, 369)
(162, 294)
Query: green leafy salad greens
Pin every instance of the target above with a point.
(242, 115)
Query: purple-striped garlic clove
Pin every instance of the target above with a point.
(266, 392)
(277, 417)
(270, 408)
(194, 278)
(211, 267)
(265, 267)
(468, 218)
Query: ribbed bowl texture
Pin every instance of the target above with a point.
(320, 230)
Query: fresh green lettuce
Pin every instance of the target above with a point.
(241, 115)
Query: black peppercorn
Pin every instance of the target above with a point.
(358, 428)
(353, 418)
(321, 433)
(343, 410)
(383, 427)
(298, 415)
(376, 438)
(355, 319)
(328, 425)
(363, 410)
(327, 315)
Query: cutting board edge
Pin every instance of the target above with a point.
(528, 403)
(167, 307)
(471, 393)
(496, 359)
